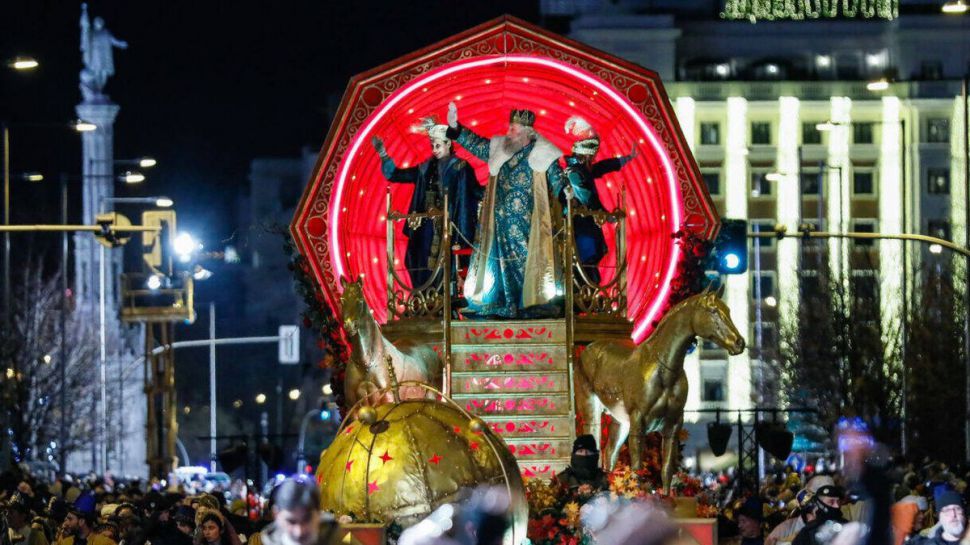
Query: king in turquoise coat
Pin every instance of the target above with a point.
(514, 271)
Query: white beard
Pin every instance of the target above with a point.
(513, 146)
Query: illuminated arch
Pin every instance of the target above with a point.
(488, 71)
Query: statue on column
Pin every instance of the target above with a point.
(96, 51)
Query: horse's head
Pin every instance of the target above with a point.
(711, 320)
(353, 306)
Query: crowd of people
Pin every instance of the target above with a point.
(66, 512)
(887, 504)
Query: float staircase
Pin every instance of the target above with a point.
(515, 376)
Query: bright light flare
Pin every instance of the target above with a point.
(147, 162)
(260, 399)
(955, 7)
(294, 394)
(164, 202)
(24, 63)
(132, 177)
(154, 282)
(878, 85)
(936, 248)
(34, 177)
(185, 246)
(84, 126)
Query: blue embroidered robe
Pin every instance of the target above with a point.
(513, 266)
(464, 194)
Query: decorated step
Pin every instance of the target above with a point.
(473, 383)
(535, 449)
(542, 469)
(514, 404)
(524, 427)
(502, 332)
(510, 357)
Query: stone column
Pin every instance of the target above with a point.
(98, 184)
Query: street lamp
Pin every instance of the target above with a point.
(880, 84)
(84, 126)
(955, 7)
(23, 63)
(132, 177)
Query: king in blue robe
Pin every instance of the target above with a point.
(443, 171)
(514, 270)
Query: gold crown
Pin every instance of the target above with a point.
(523, 117)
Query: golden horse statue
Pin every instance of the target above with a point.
(367, 373)
(644, 388)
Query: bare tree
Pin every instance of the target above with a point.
(34, 357)
(835, 356)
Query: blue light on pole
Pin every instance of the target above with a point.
(731, 247)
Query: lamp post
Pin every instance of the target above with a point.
(161, 202)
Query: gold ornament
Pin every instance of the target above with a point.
(648, 381)
(367, 415)
(477, 425)
(408, 458)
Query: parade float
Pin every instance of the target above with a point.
(505, 393)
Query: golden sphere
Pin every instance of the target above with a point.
(477, 425)
(367, 415)
(415, 456)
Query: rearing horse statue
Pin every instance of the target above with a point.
(644, 388)
(366, 371)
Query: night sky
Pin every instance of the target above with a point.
(205, 87)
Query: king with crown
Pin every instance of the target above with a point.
(513, 272)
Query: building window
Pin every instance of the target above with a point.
(713, 390)
(938, 130)
(864, 226)
(865, 286)
(862, 133)
(710, 134)
(938, 229)
(811, 135)
(763, 226)
(713, 182)
(810, 183)
(862, 183)
(938, 181)
(767, 281)
(760, 186)
(769, 336)
(810, 284)
(760, 133)
(931, 70)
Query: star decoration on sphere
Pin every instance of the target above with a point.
(349, 430)
(457, 429)
(347, 467)
(372, 487)
(385, 457)
(473, 445)
(435, 459)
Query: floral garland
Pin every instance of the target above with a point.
(554, 511)
(319, 318)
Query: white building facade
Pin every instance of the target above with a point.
(786, 130)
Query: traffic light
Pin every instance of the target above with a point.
(731, 247)
(775, 439)
(718, 435)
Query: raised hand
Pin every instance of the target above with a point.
(452, 115)
(378, 145)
